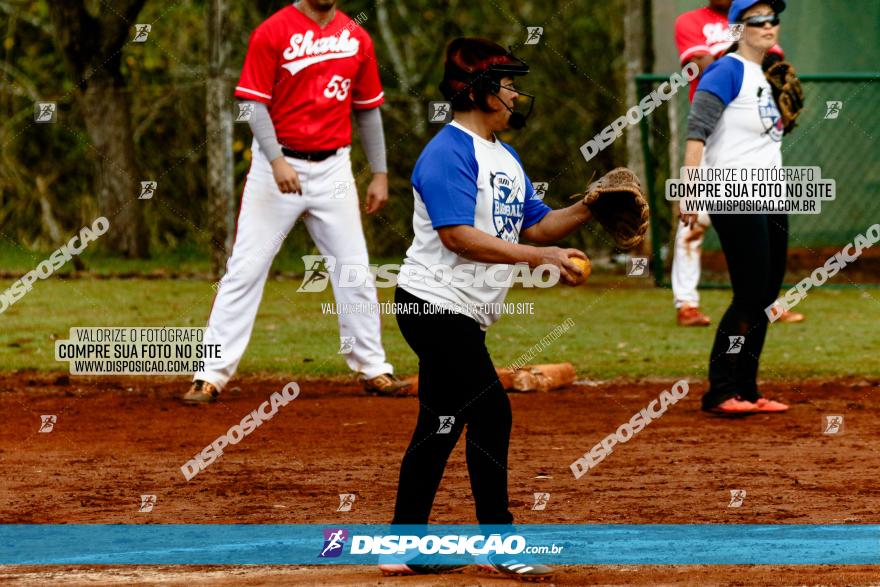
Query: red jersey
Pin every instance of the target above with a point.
(704, 32)
(310, 77)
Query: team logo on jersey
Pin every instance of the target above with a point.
(769, 113)
(717, 35)
(507, 205)
(306, 50)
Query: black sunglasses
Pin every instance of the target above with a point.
(760, 21)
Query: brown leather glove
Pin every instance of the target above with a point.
(617, 203)
(787, 92)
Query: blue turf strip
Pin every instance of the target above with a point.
(624, 544)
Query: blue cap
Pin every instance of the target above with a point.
(740, 6)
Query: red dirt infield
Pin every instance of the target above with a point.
(116, 439)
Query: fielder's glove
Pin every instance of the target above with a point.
(617, 202)
(787, 92)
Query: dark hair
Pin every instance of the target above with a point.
(466, 69)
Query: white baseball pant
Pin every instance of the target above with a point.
(686, 262)
(333, 219)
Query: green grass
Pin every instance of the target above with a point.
(183, 260)
(617, 332)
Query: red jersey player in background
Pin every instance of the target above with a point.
(702, 36)
(307, 67)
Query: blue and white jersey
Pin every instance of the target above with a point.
(462, 179)
(749, 133)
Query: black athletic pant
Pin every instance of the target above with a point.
(457, 379)
(756, 247)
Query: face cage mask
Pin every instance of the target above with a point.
(496, 72)
(517, 119)
(489, 80)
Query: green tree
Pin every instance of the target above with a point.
(90, 36)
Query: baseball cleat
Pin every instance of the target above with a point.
(790, 317)
(769, 406)
(201, 392)
(386, 385)
(393, 570)
(691, 316)
(524, 572)
(735, 406)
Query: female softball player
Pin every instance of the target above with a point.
(473, 201)
(735, 122)
(702, 36)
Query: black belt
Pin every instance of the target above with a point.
(309, 155)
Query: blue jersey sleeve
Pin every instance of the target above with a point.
(534, 209)
(723, 79)
(445, 176)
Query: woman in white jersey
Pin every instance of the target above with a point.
(473, 201)
(734, 122)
